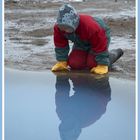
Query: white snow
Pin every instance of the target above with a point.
(122, 42)
(19, 52)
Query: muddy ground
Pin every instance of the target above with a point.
(29, 33)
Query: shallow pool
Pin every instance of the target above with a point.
(72, 106)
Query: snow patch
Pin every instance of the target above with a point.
(122, 42)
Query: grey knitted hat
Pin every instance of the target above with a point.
(68, 16)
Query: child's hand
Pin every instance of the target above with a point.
(60, 66)
(100, 69)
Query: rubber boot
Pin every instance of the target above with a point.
(114, 55)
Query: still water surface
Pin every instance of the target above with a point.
(47, 106)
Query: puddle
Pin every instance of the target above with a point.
(74, 106)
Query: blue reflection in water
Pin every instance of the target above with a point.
(30, 107)
(84, 107)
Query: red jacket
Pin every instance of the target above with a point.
(88, 31)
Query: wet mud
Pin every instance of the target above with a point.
(29, 33)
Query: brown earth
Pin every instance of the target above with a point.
(29, 23)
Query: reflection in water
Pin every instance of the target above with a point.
(84, 107)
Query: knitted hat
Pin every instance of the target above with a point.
(68, 16)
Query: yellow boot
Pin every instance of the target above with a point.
(60, 66)
(100, 69)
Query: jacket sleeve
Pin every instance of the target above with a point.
(99, 43)
(61, 45)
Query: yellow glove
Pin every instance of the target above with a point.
(60, 66)
(100, 69)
